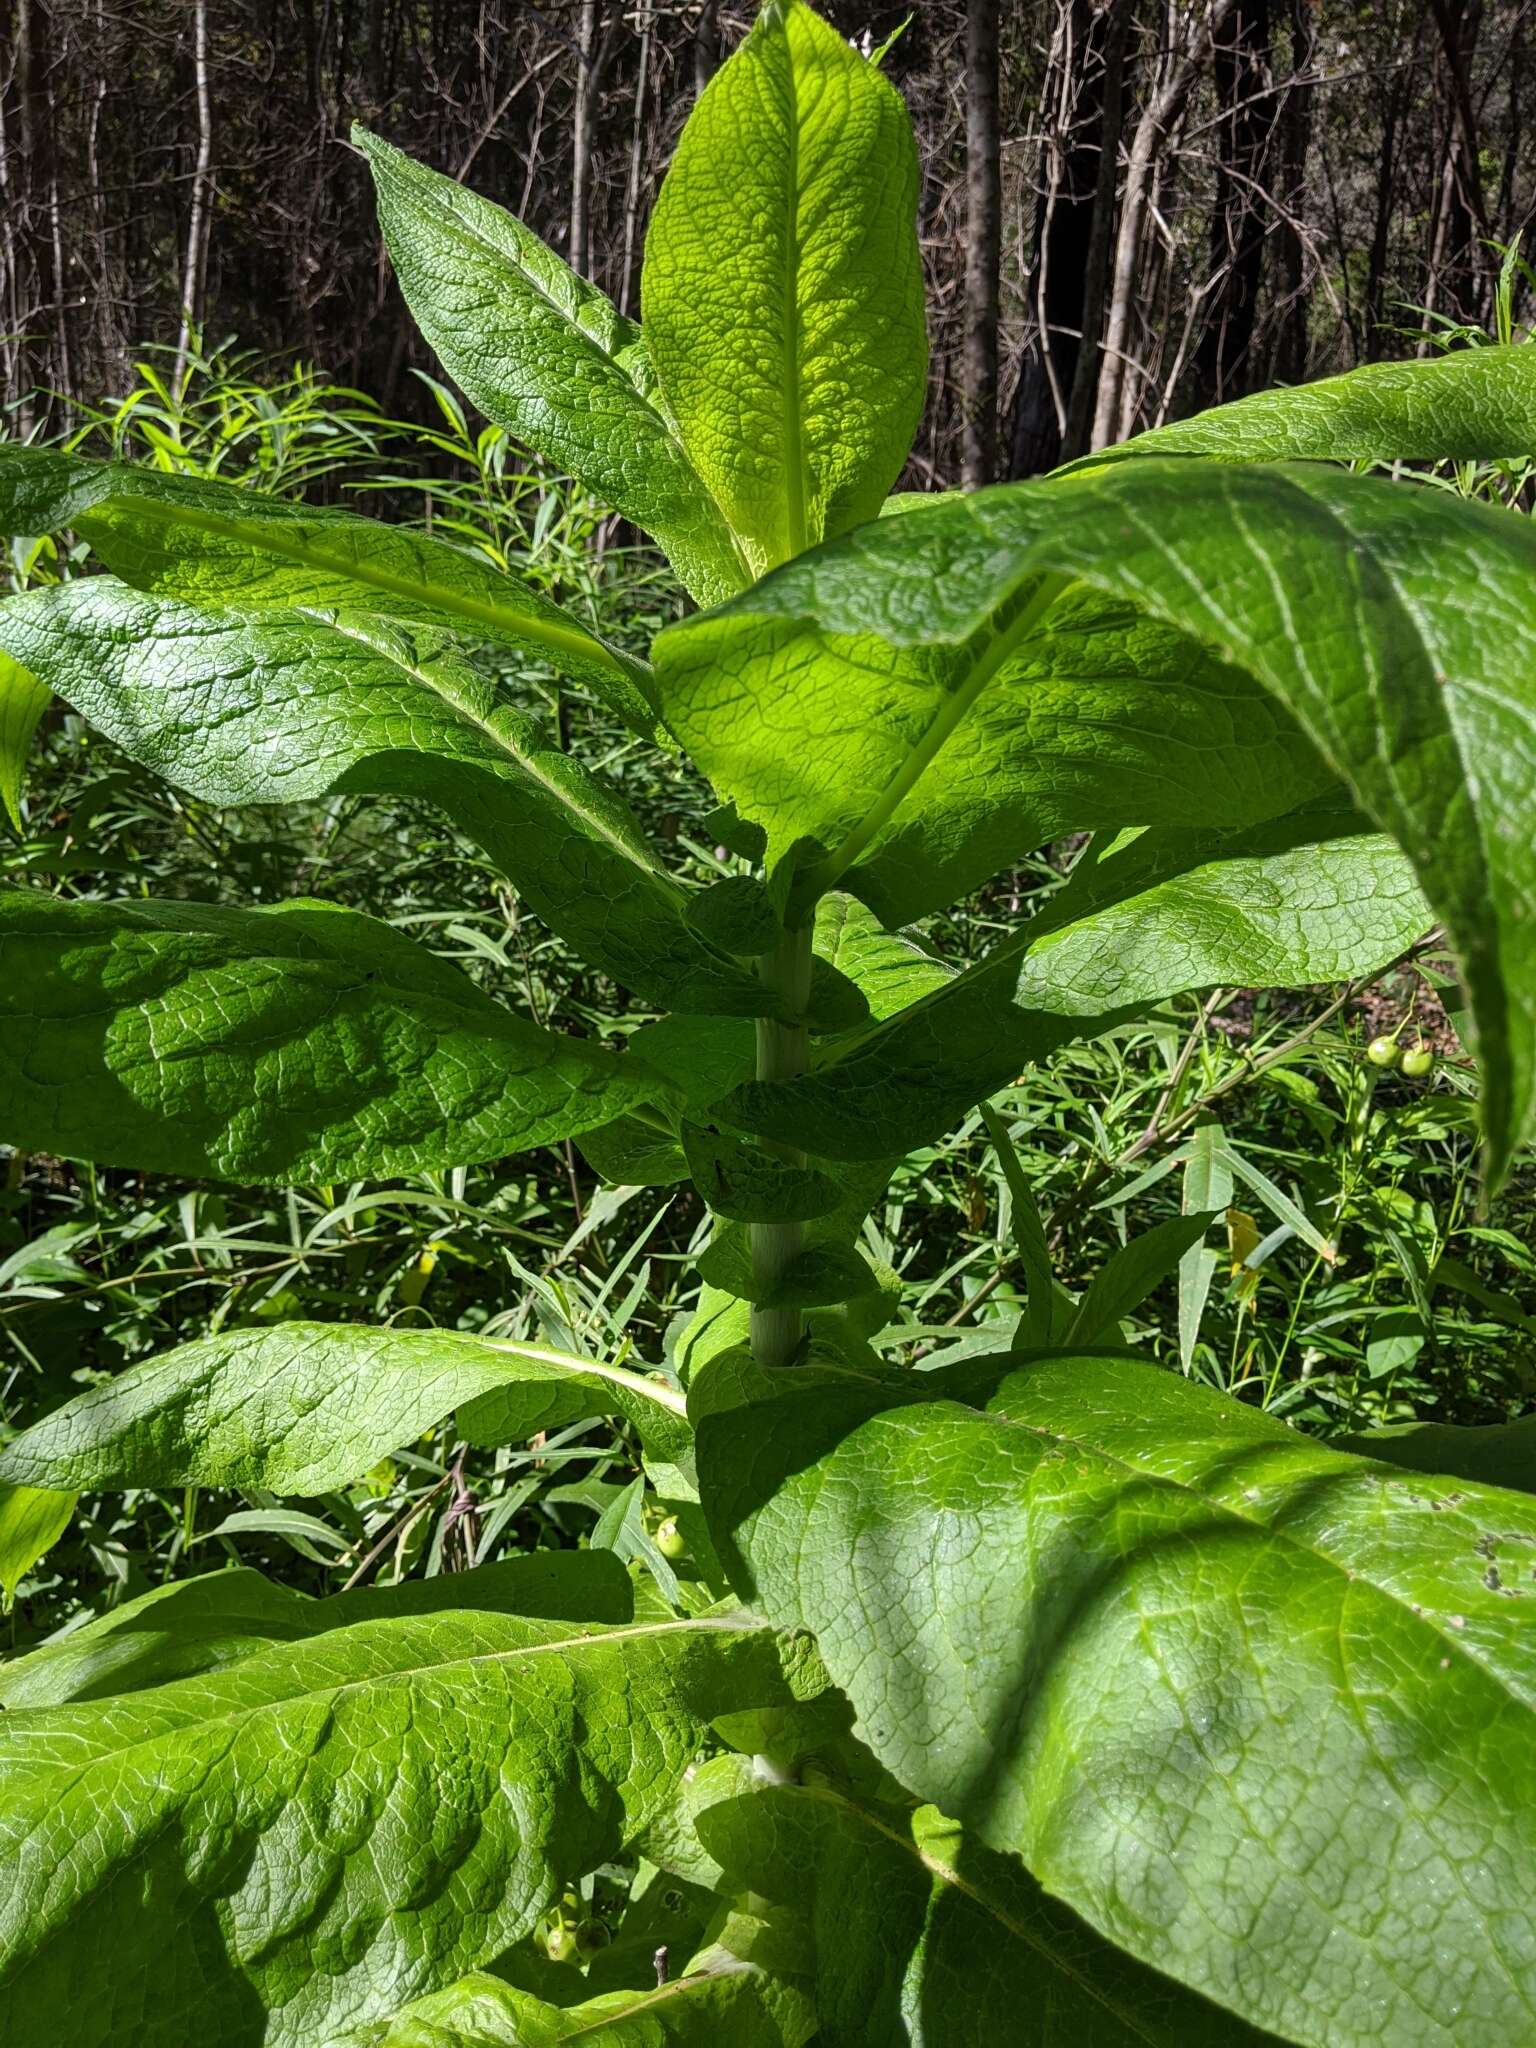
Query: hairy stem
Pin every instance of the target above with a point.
(781, 1051)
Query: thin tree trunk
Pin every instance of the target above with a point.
(983, 247)
(1222, 365)
(1289, 363)
(583, 124)
(1116, 400)
(1458, 258)
(194, 279)
(1096, 264)
(706, 45)
(1073, 115)
(632, 183)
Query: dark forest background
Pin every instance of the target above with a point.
(1129, 209)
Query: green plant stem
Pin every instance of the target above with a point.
(781, 1056)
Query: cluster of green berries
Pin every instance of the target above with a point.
(1416, 1061)
(573, 1933)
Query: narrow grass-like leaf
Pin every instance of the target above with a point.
(923, 1935)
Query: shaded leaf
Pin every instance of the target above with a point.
(923, 1936)
(1492, 1453)
(1229, 1693)
(297, 1043)
(315, 1835)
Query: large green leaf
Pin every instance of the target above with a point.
(299, 1043)
(23, 700)
(305, 1407)
(1088, 716)
(193, 1625)
(270, 707)
(888, 969)
(1280, 906)
(544, 353)
(783, 289)
(923, 1936)
(32, 1519)
(1257, 1709)
(1475, 404)
(1396, 624)
(724, 2004)
(313, 1836)
(214, 543)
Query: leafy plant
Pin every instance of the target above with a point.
(1040, 1689)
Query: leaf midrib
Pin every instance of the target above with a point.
(525, 763)
(796, 532)
(736, 1624)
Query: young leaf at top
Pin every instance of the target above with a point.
(245, 707)
(298, 1043)
(213, 543)
(306, 1407)
(545, 354)
(1258, 1710)
(313, 1836)
(782, 288)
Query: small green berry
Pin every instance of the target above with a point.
(560, 1942)
(1384, 1052)
(1419, 1062)
(671, 1541)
